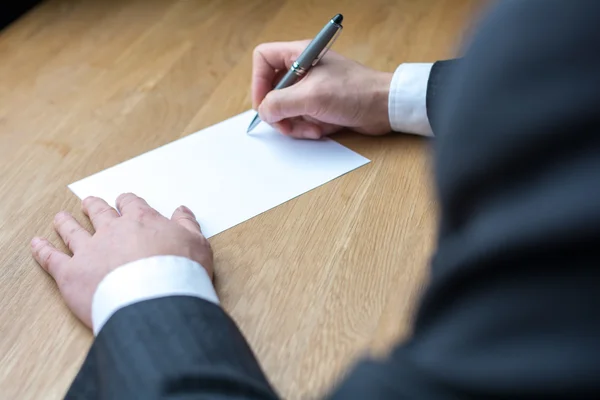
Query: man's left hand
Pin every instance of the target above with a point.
(133, 232)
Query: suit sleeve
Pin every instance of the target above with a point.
(170, 348)
(511, 309)
(440, 79)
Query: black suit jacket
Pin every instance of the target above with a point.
(513, 306)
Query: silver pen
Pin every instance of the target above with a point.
(313, 53)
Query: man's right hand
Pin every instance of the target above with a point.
(338, 93)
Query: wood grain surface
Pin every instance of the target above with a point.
(314, 283)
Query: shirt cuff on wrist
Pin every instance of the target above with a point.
(149, 278)
(407, 103)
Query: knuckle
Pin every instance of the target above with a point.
(75, 230)
(48, 258)
(94, 204)
(104, 209)
(124, 195)
(40, 244)
(61, 218)
(183, 217)
(110, 224)
(187, 220)
(125, 198)
(38, 250)
(62, 279)
(142, 213)
(88, 201)
(180, 218)
(101, 211)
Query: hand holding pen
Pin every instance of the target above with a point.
(338, 93)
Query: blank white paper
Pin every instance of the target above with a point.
(224, 175)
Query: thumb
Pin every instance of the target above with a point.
(186, 218)
(290, 102)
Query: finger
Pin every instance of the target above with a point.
(128, 204)
(294, 101)
(98, 211)
(298, 128)
(267, 60)
(186, 218)
(305, 128)
(302, 129)
(49, 257)
(284, 127)
(326, 128)
(71, 232)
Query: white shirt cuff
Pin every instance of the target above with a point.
(149, 278)
(407, 103)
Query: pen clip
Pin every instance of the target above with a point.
(326, 49)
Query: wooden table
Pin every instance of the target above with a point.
(314, 283)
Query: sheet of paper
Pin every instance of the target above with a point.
(224, 175)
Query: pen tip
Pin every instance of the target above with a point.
(253, 124)
(338, 19)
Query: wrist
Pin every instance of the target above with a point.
(383, 96)
(379, 92)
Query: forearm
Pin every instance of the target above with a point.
(161, 333)
(171, 347)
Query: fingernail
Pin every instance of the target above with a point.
(35, 241)
(63, 213)
(60, 215)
